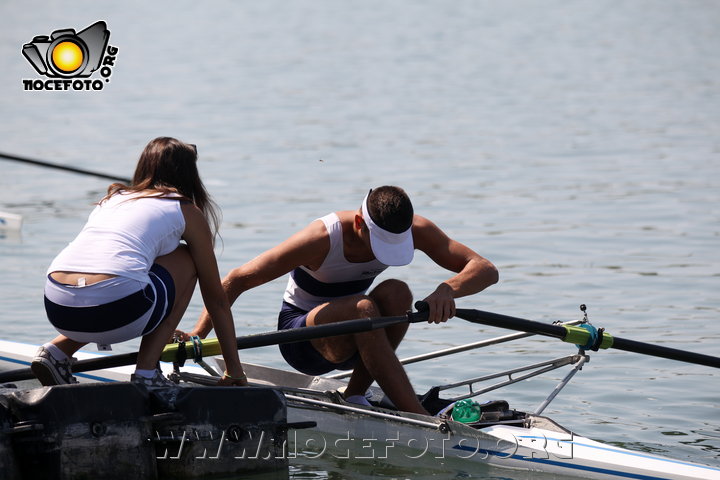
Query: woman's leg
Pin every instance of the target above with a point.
(52, 364)
(66, 345)
(180, 265)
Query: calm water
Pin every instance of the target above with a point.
(576, 144)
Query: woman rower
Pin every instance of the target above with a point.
(127, 275)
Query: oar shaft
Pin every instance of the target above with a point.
(292, 335)
(512, 323)
(16, 375)
(80, 366)
(212, 346)
(66, 168)
(561, 332)
(665, 352)
(319, 331)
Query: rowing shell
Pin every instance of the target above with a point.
(505, 438)
(516, 440)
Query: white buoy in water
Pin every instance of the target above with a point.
(10, 221)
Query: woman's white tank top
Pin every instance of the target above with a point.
(123, 236)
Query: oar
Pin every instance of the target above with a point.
(174, 352)
(43, 163)
(584, 335)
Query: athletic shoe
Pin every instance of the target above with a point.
(358, 400)
(157, 381)
(51, 371)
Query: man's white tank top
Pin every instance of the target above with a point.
(123, 236)
(335, 278)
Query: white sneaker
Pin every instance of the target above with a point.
(51, 371)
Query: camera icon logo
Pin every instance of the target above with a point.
(67, 54)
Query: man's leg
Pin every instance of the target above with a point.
(376, 347)
(392, 297)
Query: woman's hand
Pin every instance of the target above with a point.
(180, 336)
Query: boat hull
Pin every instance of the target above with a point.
(342, 431)
(516, 440)
(546, 448)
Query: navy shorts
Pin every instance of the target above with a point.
(302, 356)
(131, 316)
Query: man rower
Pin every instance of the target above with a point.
(332, 263)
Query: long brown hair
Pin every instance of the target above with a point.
(168, 167)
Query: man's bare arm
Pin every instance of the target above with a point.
(309, 246)
(473, 272)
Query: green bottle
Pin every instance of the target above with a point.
(466, 411)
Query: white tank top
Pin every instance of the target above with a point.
(335, 278)
(124, 237)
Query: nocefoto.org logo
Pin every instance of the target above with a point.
(67, 58)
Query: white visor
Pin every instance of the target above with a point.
(393, 249)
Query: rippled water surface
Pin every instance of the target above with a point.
(576, 144)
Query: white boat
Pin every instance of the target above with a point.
(501, 438)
